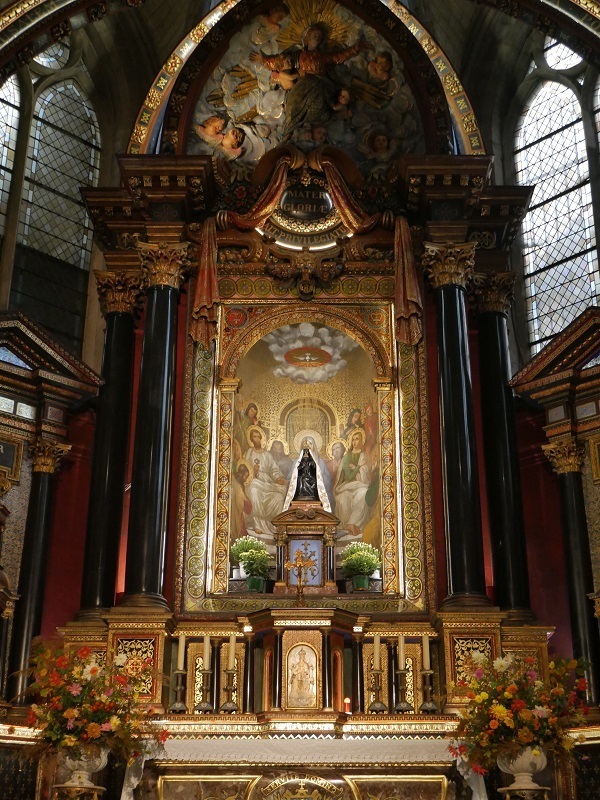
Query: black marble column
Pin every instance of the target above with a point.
(32, 579)
(118, 294)
(392, 676)
(215, 675)
(327, 683)
(358, 676)
(449, 266)
(493, 295)
(566, 457)
(248, 690)
(277, 675)
(162, 269)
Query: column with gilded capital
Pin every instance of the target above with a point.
(493, 294)
(27, 623)
(163, 266)
(119, 294)
(449, 266)
(566, 456)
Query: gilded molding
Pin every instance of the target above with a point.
(493, 292)
(389, 505)
(565, 455)
(47, 454)
(221, 538)
(449, 264)
(163, 264)
(410, 470)
(119, 292)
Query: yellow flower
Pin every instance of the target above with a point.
(69, 741)
(115, 722)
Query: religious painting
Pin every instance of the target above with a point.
(306, 385)
(301, 676)
(309, 73)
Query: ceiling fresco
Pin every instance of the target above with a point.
(309, 74)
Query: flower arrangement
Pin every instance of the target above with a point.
(359, 558)
(84, 704)
(245, 544)
(510, 708)
(256, 563)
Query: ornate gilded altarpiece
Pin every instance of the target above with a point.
(372, 379)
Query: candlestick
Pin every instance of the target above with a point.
(206, 653)
(347, 707)
(426, 654)
(178, 705)
(377, 706)
(181, 652)
(428, 706)
(231, 653)
(229, 706)
(401, 651)
(402, 706)
(376, 651)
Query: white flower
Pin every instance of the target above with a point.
(91, 671)
(502, 664)
(120, 660)
(478, 657)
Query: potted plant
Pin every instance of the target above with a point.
(359, 562)
(256, 564)
(85, 709)
(245, 544)
(513, 718)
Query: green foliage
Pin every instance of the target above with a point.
(256, 563)
(245, 544)
(359, 558)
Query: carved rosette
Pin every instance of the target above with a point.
(449, 264)
(164, 264)
(46, 454)
(493, 292)
(565, 455)
(119, 292)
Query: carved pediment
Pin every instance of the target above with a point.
(303, 515)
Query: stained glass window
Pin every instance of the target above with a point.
(9, 122)
(559, 242)
(63, 156)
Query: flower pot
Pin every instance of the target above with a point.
(360, 582)
(91, 760)
(523, 766)
(255, 584)
(243, 573)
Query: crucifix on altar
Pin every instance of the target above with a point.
(303, 562)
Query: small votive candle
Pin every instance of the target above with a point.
(347, 709)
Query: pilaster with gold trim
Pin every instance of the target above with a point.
(389, 499)
(120, 294)
(46, 455)
(163, 269)
(566, 456)
(492, 296)
(449, 267)
(228, 389)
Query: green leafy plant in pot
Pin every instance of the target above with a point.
(256, 564)
(245, 544)
(359, 562)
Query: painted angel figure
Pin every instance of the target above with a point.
(307, 99)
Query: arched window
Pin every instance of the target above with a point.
(63, 156)
(9, 124)
(561, 275)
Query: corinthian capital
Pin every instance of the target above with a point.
(493, 291)
(565, 455)
(163, 264)
(118, 292)
(46, 454)
(449, 264)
